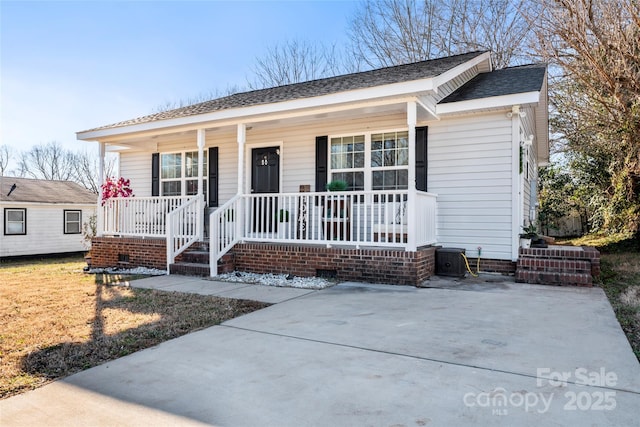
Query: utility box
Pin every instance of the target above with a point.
(449, 262)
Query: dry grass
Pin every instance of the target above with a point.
(621, 283)
(56, 320)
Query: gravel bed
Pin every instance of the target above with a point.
(280, 280)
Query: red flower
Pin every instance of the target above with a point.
(112, 188)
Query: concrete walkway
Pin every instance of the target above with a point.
(490, 353)
(197, 285)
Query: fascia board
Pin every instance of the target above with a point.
(116, 138)
(456, 71)
(238, 114)
(488, 103)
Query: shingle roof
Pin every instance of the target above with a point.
(361, 80)
(44, 191)
(524, 78)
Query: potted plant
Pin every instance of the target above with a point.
(528, 234)
(337, 185)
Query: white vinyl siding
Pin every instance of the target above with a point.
(45, 230)
(470, 169)
(530, 169)
(297, 156)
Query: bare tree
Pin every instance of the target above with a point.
(5, 156)
(391, 32)
(52, 162)
(48, 161)
(87, 168)
(495, 25)
(595, 45)
(295, 61)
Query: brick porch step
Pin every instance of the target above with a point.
(192, 262)
(197, 256)
(554, 278)
(190, 269)
(558, 265)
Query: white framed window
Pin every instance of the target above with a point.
(72, 221)
(390, 160)
(179, 174)
(371, 161)
(347, 154)
(15, 221)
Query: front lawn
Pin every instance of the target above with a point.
(56, 320)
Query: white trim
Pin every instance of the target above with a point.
(451, 74)
(249, 169)
(300, 107)
(489, 103)
(52, 204)
(516, 201)
(421, 101)
(412, 118)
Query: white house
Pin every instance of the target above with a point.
(43, 217)
(442, 152)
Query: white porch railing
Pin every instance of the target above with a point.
(184, 225)
(351, 218)
(138, 216)
(224, 231)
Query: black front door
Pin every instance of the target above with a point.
(265, 178)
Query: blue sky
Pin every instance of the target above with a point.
(67, 66)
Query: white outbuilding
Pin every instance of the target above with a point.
(43, 217)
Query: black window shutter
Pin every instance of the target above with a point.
(213, 177)
(321, 162)
(421, 158)
(155, 174)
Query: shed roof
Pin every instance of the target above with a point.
(44, 191)
(313, 88)
(507, 81)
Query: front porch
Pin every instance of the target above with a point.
(398, 220)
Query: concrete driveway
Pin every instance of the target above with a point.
(461, 354)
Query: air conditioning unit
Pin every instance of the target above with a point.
(449, 262)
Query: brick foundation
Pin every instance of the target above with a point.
(558, 265)
(368, 265)
(502, 266)
(150, 253)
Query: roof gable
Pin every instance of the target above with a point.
(507, 81)
(314, 88)
(44, 191)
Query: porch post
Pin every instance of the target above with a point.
(100, 209)
(412, 229)
(242, 139)
(200, 214)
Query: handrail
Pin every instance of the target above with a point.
(225, 230)
(182, 228)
